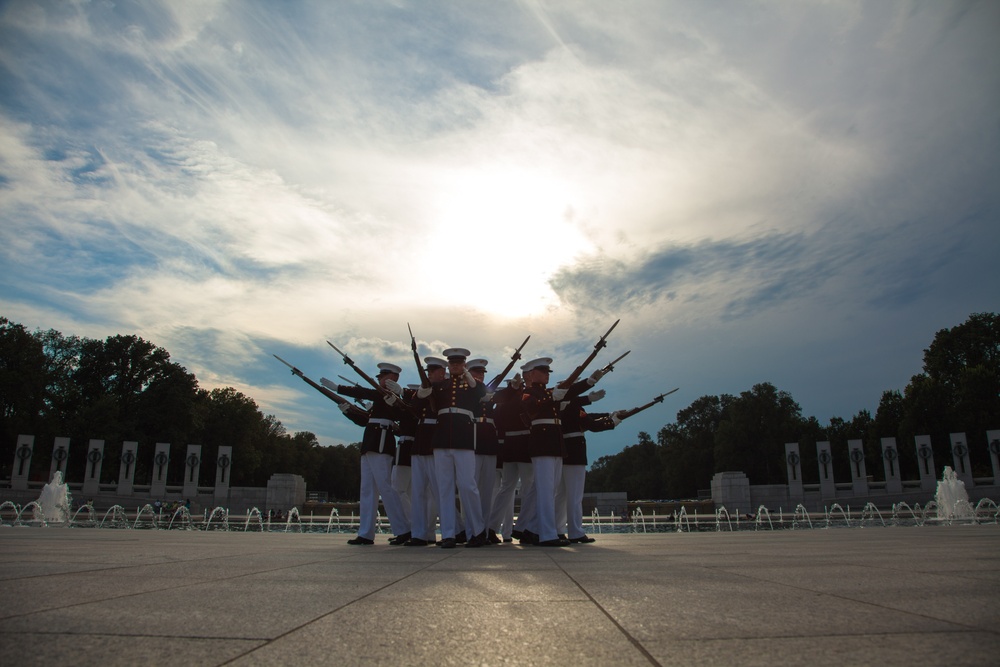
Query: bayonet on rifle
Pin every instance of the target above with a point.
(625, 414)
(495, 382)
(326, 390)
(575, 375)
(421, 371)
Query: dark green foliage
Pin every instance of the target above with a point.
(959, 391)
(125, 388)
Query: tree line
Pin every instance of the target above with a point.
(958, 391)
(125, 388)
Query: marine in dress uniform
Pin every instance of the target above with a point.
(401, 467)
(569, 497)
(455, 400)
(487, 445)
(513, 435)
(378, 447)
(423, 482)
(547, 447)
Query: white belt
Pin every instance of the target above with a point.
(513, 433)
(485, 420)
(457, 411)
(404, 438)
(428, 421)
(537, 422)
(385, 423)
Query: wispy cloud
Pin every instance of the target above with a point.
(224, 178)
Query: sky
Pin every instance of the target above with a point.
(801, 193)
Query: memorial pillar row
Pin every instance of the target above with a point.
(925, 461)
(890, 460)
(960, 458)
(126, 473)
(793, 467)
(92, 474)
(192, 468)
(23, 451)
(60, 453)
(161, 460)
(859, 471)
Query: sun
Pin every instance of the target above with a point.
(501, 233)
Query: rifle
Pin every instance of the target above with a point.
(368, 378)
(575, 375)
(610, 367)
(495, 382)
(336, 398)
(424, 382)
(625, 414)
(329, 384)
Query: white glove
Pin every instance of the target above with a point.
(424, 392)
(517, 382)
(390, 399)
(344, 407)
(595, 376)
(563, 405)
(394, 387)
(596, 395)
(471, 381)
(488, 398)
(559, 394)
(615, 419)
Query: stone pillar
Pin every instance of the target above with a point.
(732, 491)
(824, 457)
(925, 461)
(285, 491)
(22, 462)
(192, 468)
(859, 471)
(126, 473)
(92, 474)
(960, 458)
(60, 452)
(223, 471)
(993, 445)
(793, 466)
(890, 461)
(161, 459)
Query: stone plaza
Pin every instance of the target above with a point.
(898, 595)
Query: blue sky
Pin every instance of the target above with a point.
(796, 193)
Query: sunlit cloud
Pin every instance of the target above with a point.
(231, 180)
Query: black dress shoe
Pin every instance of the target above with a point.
(399, 540)
(477, 541)
(360, 540)
(460, 538)
(492, 538)
(582, 540)
(516, 534)
(560, 536)
(528, 537)
(508, 540)
(448, 543)
(554, 543)
(416, 542)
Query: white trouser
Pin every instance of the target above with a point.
(401, 476)
(503, 505)
(376, 473)
(457, 467)
(571, 491)
(548, 469)
(423, 497)
(527, 517)
(486, 476)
